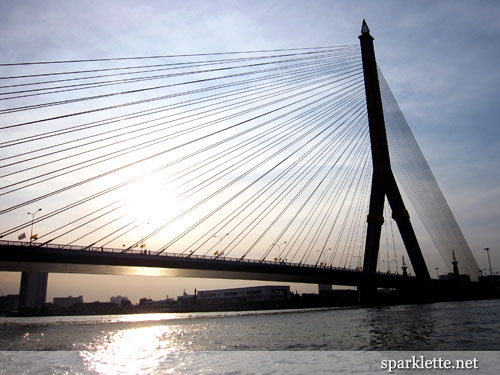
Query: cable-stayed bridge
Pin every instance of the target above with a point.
(262, 164)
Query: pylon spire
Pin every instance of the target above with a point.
(364, 28)
(404, 267)
(454, 262)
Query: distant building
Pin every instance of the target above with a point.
(269, 293)
(452, 276)
(9, 303)
(145, 301)
(162, 304)
(186, 299)
(118, 299)
(490, 279)
(65, 302)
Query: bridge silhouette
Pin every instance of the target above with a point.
(20, 256)
(266, 165)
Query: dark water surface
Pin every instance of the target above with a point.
(450, 326)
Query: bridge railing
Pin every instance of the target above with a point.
(176, 255)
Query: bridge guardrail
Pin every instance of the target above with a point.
(177, 255)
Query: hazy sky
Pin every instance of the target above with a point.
(439, 57)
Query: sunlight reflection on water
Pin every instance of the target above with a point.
(146, 317)
(131, 351)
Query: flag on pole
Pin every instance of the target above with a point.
(275, 259)
(21, 236)
(143, 246)
(34, 237)
(216, 253)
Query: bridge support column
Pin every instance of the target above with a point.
(324, 288)
(33, 290)
(367, 295)
(383, 181)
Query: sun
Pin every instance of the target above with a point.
(151, 201)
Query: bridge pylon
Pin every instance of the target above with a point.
(383, 181)
(33, 290)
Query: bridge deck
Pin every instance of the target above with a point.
(20, 256)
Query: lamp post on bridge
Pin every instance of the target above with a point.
(279, 249)
(489, 262)
(220, 241)
(389, 264)
(358, 262)
(437, 274)
(143, 245)
(32, 222)
(324, 255)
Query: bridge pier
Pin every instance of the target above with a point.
(367, 295)
(33, 290)
(324, 288)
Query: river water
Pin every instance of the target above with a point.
(253, 342)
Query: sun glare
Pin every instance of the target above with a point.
(151, 201)
(131, 351)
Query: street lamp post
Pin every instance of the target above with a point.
(32, 223)
(323, 252)
(437, 273)
(220, 240)
(358, 262)
(279, 249)
(489, 262)
(142, 235)
(324, 255)
(388, 264)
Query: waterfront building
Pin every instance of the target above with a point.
(186, 299)
(65, 302)
(242, 296)
(161, 304)
(118, 299)
(9, 303)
